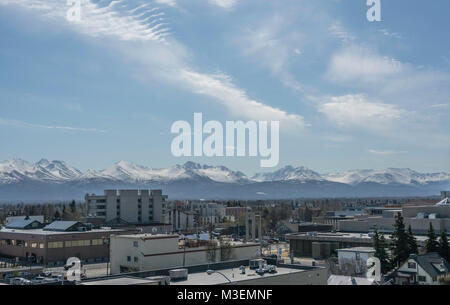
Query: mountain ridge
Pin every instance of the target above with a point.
(45, 179)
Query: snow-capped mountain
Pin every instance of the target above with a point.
(289, 173)
(17, 170)
(387, 176)
(55, 179)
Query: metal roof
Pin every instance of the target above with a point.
(60, 225)
(20, 223)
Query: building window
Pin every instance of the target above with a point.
(128, 258)
(422, 278)
(118, 201)
(55, 244)
(411, 265)
(135, 244)
(97, 242)
(135, 259)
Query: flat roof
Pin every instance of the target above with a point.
(45, 232)
(358, 249)
(234, 274)
(341, 236)
(121, 281)
(149, 236)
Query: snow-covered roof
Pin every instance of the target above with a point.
(445, 201)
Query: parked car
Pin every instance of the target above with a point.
(19, 281)
(38, 280)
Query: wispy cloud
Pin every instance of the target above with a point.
(226, 4)
(17, 123)
(273, 47)
(338, 31)
(221, 88)
(385, 152)
(362, 65)
(165, 57)
(357, 111)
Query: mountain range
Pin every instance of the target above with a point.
(56, 180)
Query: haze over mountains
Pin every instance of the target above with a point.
(56, 180)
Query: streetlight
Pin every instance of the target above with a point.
(209, 272)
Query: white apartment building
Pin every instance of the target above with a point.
(144, 252)
(128, 206)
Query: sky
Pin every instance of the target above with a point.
(349, 93)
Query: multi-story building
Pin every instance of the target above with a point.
(181, 220)
(236, 212)
(127, 206)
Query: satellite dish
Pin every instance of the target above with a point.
(73, 269)
(154, 230)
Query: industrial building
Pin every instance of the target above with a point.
(126, 206)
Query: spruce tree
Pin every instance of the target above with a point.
(431, 244)
(380, 245)
(412, 242)
(399, 246)
(444, 248)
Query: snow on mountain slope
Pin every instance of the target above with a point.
(16, 170)
(387, 176)
(289, 173)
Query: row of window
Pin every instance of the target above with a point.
(75, 243)
(21, 243)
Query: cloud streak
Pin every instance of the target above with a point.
(17, 123)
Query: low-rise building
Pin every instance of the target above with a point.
(141, 252)
(56, 242)
(383, 219)
(421, 270)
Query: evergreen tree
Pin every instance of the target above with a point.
(444, 248)
(431, 244)
(57, 215)
(412, 242)
(399, 246)
(73, 207)
(380, 245)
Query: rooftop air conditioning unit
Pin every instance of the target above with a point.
(163, 280)
(178, 274)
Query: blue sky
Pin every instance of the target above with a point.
(349, 93)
